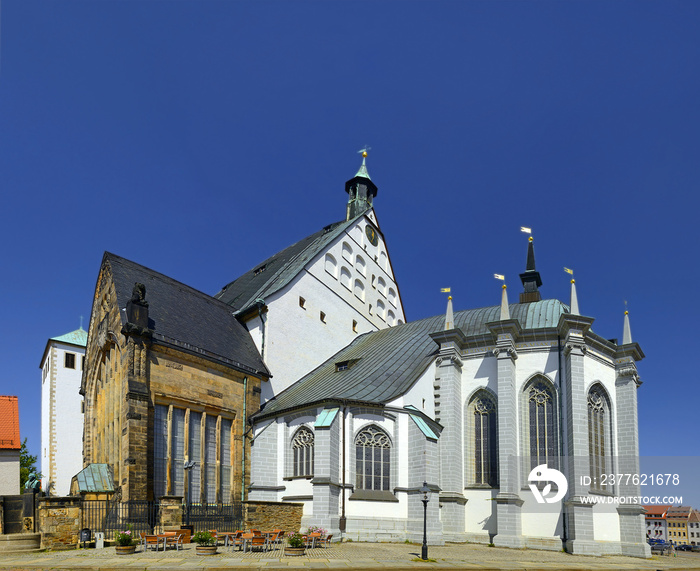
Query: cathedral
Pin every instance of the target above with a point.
(300, 381)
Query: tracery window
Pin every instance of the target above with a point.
(373, 459)
(597, 435)
(542, 418)
(484, 440)
(303, 449)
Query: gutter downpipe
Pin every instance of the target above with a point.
(561, 441)
(343, 521)
(243, 433)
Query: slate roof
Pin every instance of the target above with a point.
(185, 318)
(9, 423)
(391, 360)
(277, 271)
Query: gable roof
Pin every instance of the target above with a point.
(9, 423)
(185, 318)
(390, 361)
(277, 271)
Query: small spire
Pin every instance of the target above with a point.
(363, 167)
(626, 331)
(505, 310)
(531, 277)
(574, 299)
(449, 315)
(81, 322)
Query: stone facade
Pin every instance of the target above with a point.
(272, 515)
(130, 371)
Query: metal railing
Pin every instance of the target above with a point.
(111, 518)
(222, 517)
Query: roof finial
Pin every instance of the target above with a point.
(363, 167)
(626, 331)
(81, 322)
(574, 299)
(531, 277)
(505, 310)
(449, 315)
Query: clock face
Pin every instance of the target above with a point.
(371, 235)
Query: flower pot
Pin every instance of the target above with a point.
(125, 549)
(294, 551)
(206, 550)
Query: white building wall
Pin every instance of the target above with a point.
(297, 339)
(62, 420)
(9, 472)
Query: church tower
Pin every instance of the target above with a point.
(361, 191)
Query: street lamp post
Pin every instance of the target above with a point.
(425, 490)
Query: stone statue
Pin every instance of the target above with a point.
(33, 482)
(138, 294)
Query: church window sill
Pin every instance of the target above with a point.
(373, 496)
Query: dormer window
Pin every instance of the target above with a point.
(345, 365)
(259, 270)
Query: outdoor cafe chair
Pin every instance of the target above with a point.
(326, 541)
(174, 541)
(152, 541)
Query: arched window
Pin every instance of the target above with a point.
(542, 424)
(347, 252)
(373, 459)
(380, 308)
(360, 265)
(484, 437)
(381, 286)
(392, 296)
(303, 449)
(359, 290)
(390, 317)
(384, 261)
(331, 265)
(345, 277)
(598, 420)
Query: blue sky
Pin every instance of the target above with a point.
(198, 138)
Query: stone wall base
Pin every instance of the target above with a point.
(20, 543)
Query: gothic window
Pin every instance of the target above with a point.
(542, 419)
(373, 459)
(303, 450)
(331, 265)
(598, 418)
(484, 439)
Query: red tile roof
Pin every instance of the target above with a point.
(656, 510)
(9, 423)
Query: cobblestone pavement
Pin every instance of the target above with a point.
(340, 556)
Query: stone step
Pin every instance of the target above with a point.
(20, 542)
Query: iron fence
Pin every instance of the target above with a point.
(112, 517)
(222, 517)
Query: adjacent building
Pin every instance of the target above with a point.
(655, 520)
(62, 411)
(694, 528)
(677, 518)
(10, 446)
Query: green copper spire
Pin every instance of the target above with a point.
(361, 190)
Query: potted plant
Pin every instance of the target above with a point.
(206, 543)
(295, 544)
(125, 542)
